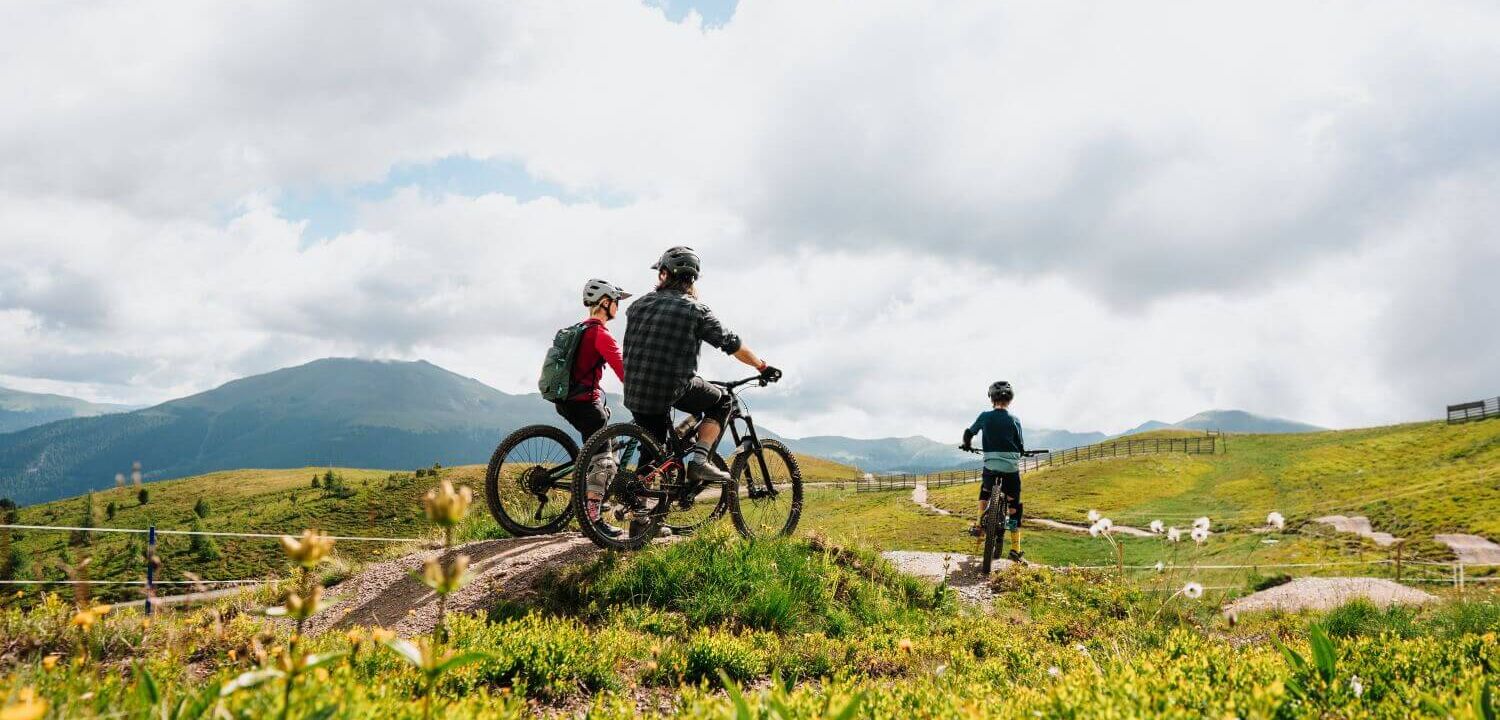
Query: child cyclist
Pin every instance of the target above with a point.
(1003, 448)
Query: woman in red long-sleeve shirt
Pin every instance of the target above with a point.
(585, 409)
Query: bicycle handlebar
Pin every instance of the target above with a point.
(1024, 453)
(732, 384)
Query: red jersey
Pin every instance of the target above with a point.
(597, 349)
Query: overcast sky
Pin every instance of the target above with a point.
(1129, 210)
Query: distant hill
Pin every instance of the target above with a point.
(1240, 421)
(21, 410)
(1236, 421)
(356, 413)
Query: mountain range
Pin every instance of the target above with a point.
(373, 414)
(21, 410)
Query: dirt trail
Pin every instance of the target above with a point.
(1359, 525)
(919, 496)
(1471, 549)
(386, 595)
(1327, 593)
(962, 572)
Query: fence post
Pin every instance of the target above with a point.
(150, 567)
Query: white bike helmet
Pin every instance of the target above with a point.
(596, 290)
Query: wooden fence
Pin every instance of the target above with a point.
(1471, 411)
(1207, 444)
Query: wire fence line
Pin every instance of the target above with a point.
(1207, 444)
(204, 533)
(151, 562)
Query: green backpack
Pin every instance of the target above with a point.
(556, 382)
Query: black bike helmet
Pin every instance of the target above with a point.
(1001, 391)
(680, 260)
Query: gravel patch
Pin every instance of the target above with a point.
(962, 572)
(1359, 525)
(1471, 549)
(1328, 593)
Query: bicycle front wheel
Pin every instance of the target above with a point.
(767, 499)
(526, 484)
(619, 463)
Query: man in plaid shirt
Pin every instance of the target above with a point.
(663, 332)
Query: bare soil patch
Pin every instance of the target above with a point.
(1359, 525)
(1471, 549)
(387, 595)
(1328, 593)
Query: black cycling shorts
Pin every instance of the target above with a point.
(700, 398)
(586, 416)
(1010, 485)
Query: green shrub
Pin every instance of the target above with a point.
(708, 652)
(1459, 618)
(548, 657)
(777, 584)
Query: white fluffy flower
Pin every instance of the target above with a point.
(1193, 590)
(1160, 566)
(1157, 526)
(1200, 535)
(1094, 516)
(1106, 524)
(1276, 520)
(1054, 671)
(1201, 522)
(1174, 535)
(1356, 687)
(1094, 530)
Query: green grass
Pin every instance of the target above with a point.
(1411, 480)
(248, 501)
(718, 580)
(630, 642)
(251, 501)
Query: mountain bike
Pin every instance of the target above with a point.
(992, 525)
(646, 486)
(529, 486)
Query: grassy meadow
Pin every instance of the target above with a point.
(715, 627)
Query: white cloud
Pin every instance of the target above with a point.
(1130, 211)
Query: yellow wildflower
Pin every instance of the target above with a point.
(49, 662)
(84, 619)
(308, 550)
(26, 707)
(446, 506)
(382, 635)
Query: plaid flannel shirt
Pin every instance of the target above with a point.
(663, 330)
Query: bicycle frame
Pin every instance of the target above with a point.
(678, 446)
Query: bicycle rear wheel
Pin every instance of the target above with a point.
(709, 505)
(629, 512)
(767, 500)
(526, 484)
(994, 530)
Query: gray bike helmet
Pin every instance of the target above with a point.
(1001, 390)
(679, 260)
(596, 290)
